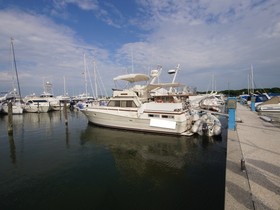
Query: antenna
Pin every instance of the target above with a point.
(15, 64)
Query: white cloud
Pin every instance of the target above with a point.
(83, 4)
(212, 37)
(44, 51)
(206, 37)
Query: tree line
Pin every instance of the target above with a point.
(245, 91)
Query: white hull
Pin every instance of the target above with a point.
(16, 109)
(36, 105)
(130, 121)
(36, 109)
(268, 108)
(137, 109)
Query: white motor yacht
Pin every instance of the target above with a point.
(136, 109)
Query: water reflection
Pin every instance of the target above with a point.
(12, 150)
(138, 149)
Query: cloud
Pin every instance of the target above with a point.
(221, 38)
(82, 4)
(102, 10)
(44, 51)
(208, 37)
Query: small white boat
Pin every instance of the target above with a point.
(271, 105)
(37, 105)
(14, 98)
(17, 107)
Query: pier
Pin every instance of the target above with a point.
(253, 163)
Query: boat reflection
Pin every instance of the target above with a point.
(141, 150)
(12, 150)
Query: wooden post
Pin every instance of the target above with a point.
(65, 113)
(10, 118)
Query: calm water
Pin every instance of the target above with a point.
(46, 165)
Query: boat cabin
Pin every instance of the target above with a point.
(124, 99)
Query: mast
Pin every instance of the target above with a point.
(95, 79)
(248, 84)
(85, 74)
(15, 65)
(252, 78)
(64, 86)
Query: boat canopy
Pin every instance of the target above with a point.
(133, 77)
(163, 85)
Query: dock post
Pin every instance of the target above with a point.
(65, 113)
(231, 105)
(253, 100)
(10, 118)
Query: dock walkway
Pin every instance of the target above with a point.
(258, 143)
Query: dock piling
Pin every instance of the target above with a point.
(10, 118)
(253, 101)
(65, 113)
(231, 105)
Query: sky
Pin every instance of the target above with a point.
(216, 43)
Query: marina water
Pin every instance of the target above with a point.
(48, 165)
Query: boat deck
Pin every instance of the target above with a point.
(257, 142)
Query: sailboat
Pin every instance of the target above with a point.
(17, 105)
(259, 97)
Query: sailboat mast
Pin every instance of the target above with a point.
(248, 84)
(85, 73)
(95, 79)
(15, 64)
(64, 87)
(252, 78)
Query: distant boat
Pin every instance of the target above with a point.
(53, 103)
(35, 104)
(271, 105)
(17, 107)
(14, 97)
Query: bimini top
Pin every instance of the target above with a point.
(133, 77)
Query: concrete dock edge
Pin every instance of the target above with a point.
(237, 190)
(257, 142)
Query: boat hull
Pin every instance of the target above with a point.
(268, 108)
(36, 109)
(133, 121)
(16, 109)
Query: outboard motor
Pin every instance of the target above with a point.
(204, 127)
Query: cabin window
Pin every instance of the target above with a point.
(167, 116)
(130, 104)
(153, 115)
(114, 103)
